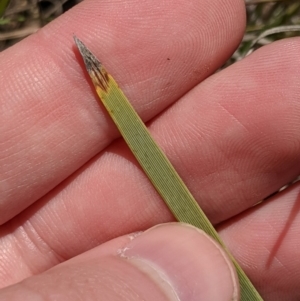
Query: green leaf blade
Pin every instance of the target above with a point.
(153, 161)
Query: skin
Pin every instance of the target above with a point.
(69, 184)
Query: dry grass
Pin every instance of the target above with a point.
(268, 21)
(24, 17)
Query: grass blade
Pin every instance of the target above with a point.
(3, 5)
(153, 161)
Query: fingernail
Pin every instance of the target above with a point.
(185, 262)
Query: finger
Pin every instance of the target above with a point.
(78, 216)
(51, 123)
(168, 262)
(265, 241)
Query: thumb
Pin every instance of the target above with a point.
(169, 262)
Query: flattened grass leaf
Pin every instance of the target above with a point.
(153, 161)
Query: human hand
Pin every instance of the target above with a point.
(234, 139)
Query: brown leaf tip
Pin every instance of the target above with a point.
(95, 69)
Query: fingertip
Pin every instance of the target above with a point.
(186, 260)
